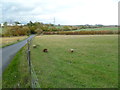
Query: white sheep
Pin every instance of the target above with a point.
(34, 46)
(71, 50)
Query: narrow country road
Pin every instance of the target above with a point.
(7, 53)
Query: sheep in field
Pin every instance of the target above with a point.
(34, 46)
(45, 50)
(71, 50)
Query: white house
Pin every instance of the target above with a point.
(2, 24)
(13, 24)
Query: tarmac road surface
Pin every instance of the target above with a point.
(7, 53)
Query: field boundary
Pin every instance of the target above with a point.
(34, 79)
(103, 32)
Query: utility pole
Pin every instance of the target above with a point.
(10, 22)
(54, 21)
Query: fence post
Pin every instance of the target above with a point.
(28, 44)
(29, 59)
(32, 78)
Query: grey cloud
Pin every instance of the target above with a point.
(24, 12)
(12, 8)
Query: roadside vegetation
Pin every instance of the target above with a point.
(93, 64)
(16, 75)
(6, 41)
(0, 82)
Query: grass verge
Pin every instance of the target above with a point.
(16, 74)
(11, 43)
(0, 83)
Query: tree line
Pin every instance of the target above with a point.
(39, 28)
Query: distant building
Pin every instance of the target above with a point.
(2, 24)
(20, 24)
(11, 24)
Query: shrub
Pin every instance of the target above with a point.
(16, 31)
(82, 32)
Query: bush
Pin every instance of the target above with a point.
(16, 31)
(81, 32)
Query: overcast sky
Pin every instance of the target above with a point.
(65, 12)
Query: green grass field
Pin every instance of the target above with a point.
(100, 29)
(94, 63)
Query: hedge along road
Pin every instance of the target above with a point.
(7, 53)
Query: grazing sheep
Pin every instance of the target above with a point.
(71, 50)
(34, 46)
(45, 50)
